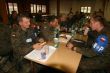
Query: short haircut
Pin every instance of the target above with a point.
(13, 12)
(99, 19)
(23, 15)
(52, 18)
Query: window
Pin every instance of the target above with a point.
(33, 8)
(82, 9)
(12, 7)
(43, 8)
(86, 9)
(39, 8)
(36, 8)
(89, 9)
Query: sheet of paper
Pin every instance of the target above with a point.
(64, 40)
(37, 55)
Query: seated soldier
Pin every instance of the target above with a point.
(5, 48)
(96, 55)
(23, 42)
(48, 29)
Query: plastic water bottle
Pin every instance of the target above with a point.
(56, 42)
(72, 32)
(43, 55)
(56, 38)
(45, 52)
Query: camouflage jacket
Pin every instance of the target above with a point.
(5, 40)
(90, 53)
(47, 31)
(22, 41)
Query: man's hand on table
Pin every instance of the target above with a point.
(39, 46)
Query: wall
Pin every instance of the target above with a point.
(24, 5)
(65, 6)
(53, 7)
(99, 5)
(107, 10)
(3, 11)
(75, 5)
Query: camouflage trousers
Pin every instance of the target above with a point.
(5, 64)
(92, 65)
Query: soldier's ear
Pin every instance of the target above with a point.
(20, 23)
(51, 23)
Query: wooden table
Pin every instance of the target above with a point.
(63, 59)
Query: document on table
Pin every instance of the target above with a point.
(40, 55)
(64, 40)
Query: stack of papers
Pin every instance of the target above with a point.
(39, 55)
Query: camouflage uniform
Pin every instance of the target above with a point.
(4, 40)
(22, 44)
(47, 31)
(5, 49)
(92, 61)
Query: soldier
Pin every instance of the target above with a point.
(97, 56)
(13, 19)
(22, 43)
(48, 29)
(5, 48)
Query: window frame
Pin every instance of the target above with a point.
(38, 7)
(13, 7)
(86, 9)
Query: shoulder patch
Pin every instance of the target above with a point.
(13, 34)
(100, 44)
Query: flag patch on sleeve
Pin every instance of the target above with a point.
(100, 44)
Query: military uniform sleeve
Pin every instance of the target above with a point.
(18, 44)
(87, 52)
(5, 43)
